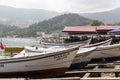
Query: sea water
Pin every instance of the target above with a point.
(20, 42)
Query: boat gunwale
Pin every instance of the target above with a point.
(99, 48)
(97, 44)
(28, 58)
(91, 50)
(67, 44)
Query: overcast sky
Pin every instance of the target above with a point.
(76, 6)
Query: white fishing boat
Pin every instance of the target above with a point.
(80, 60)
(44, 49)
(82, 57)
(80, 43)
(45, 64)
(107, 42)
(109, 51)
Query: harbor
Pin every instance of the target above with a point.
(102, 69)
(59, 40)
(78, 58)
(93, 71)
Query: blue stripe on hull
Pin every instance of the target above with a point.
(106, 59)
(80, 65)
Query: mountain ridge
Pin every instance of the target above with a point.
(24, 17)
(110, 17)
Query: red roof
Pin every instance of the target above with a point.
(89, 28)
(79, 29)
(107, 27)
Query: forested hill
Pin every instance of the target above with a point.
(6, 30)
(59, 22)
(52, 25)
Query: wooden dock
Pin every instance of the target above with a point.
(93, 71)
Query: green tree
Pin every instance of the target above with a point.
(96, 23)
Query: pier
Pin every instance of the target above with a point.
(93, 71)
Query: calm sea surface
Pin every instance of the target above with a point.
(20, 42)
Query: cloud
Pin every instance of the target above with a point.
(64, 5)
(92, 5)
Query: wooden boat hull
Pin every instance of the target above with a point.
(103, 43)
(46, 65)
(80, 60)
(106, 52)
(80, 43)
(79, 65)
(35, 74)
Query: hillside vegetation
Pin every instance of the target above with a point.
(52, 25)
(6, 30)
(57, 23)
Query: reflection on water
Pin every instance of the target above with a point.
(20, 42)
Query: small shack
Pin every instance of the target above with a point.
(98, 33)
